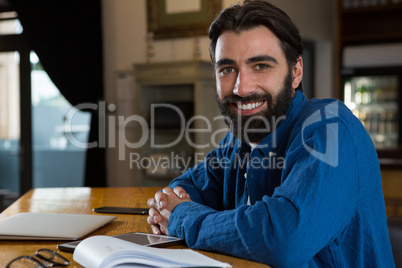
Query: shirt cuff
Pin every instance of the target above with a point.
(185, 218)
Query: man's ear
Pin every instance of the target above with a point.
(297, 72)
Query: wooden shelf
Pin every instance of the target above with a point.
(367, 38)
(390, 158)
(371, 25)
(370, 9)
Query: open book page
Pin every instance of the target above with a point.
(106, 251)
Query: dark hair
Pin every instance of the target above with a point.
(251, 14)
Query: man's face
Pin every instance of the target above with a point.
(254, 84)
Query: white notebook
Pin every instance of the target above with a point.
(50, 226)
(109, 252)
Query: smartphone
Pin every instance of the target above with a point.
(150, 240)
(122, 210)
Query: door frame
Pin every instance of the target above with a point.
(19, 43)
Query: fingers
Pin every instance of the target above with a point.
(154, 219)
(151, 203)
(167, 190)
(161, 206)
(158, 223)
(181, 193)
(154, 216)
(156, 230)
(178, 191)
(160, 201)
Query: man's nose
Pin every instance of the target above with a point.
(244, 84)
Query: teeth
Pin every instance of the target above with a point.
(249, 106)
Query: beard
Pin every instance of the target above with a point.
(254, 128)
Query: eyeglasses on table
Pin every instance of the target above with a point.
(44, 258)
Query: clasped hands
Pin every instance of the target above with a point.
(162, 205)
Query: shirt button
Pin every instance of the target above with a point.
(245, 176)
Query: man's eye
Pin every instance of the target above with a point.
(227, 70)
(261, 66)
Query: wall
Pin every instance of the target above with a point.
(124, 23)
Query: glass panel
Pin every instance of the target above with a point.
(57, 162)
(9, 127)
(374, 100)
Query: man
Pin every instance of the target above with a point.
(295, 183)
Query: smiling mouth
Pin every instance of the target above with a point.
(248, 106)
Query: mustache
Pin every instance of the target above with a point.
(250, 98)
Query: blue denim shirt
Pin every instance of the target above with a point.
(315, 194)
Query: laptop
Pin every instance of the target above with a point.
(50, 226)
